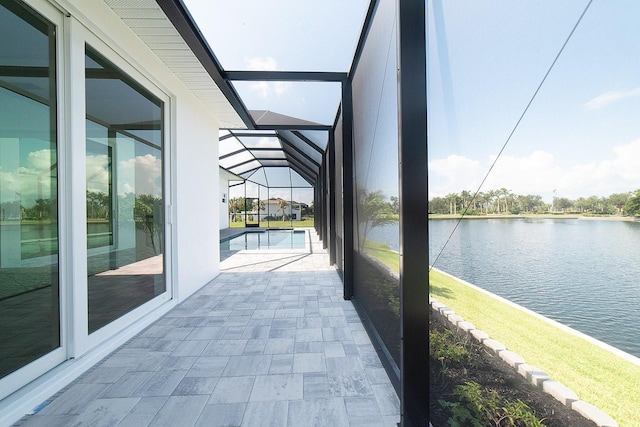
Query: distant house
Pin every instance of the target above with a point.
(272, 208)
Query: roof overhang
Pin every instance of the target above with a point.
(166, 27)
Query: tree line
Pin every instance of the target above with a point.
(504, 201)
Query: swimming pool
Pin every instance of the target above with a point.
(268, 239)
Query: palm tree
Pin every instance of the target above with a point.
(453, 203)
(282, 204)
(373, 211)
(236, 205)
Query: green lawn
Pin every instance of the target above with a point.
(306, 222)
(596, 375)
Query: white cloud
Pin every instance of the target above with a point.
(140, 175)
(453, 174)
(534, 174)
(261, 64)
(539, 173)
(608, 98)
(266, 89)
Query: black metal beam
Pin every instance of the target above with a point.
(308, 141)
(224, 156)
(248, 170)
(297, 150)
(414, 234)
(252, 134)
(300, 165)
(373, 4)
(293, 127)
(187, 28)
(286, 76)
(292, 156)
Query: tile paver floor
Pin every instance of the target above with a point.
(269, 342)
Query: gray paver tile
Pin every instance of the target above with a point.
(255, 347)
(224, 348)
(74, 399)
(232, 390)
(126, 385)
(318, 412)
(105, 412)
(316, 386)
(277, 387)
(207, 333)
(309, 362)
(102, 375)
(270, 341)
(208, 366)
(190, 348)
(222, 415)
(144, 411)
(247, 365)
(160, 384)
(349, 383)
(195, 385)
(334, 349)
(180, 411)
(387, 398)
(47, 421)
(281, 364)
(266, 414)
(279, 346)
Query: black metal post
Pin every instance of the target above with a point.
(332, 192)
(414, 244)
(348, 191)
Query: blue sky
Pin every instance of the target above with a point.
(284, 35)
(581, 135)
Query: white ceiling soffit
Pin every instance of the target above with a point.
(148, 21)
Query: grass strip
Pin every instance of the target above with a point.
(595, 374)
(384, 254)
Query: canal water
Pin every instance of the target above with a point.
(582, 273)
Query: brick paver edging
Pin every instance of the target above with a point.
(532, 374)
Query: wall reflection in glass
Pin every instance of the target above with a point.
(124, 165)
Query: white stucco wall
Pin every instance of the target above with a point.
(197, 197)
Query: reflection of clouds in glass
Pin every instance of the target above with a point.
(97, 173)
(29, 182)
(140, 175)
(10, 186)
(40, 160)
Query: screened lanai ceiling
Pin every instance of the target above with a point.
(285, 61)
(275, 158)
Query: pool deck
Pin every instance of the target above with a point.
(269, 342)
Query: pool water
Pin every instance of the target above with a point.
(269, 239)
